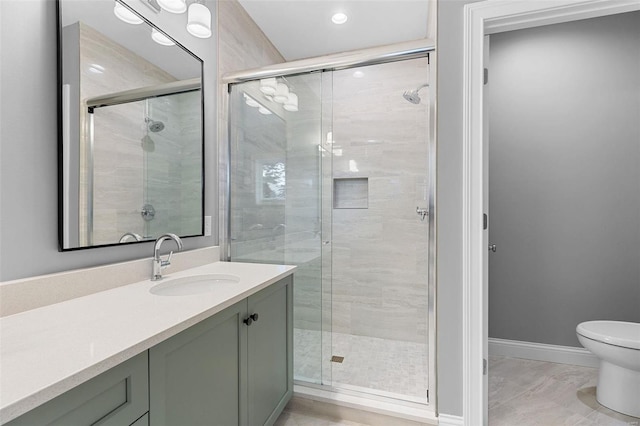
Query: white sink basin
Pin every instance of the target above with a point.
(194, 284)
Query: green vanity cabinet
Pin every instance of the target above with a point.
(235, 368)
(194, 374)
(116, 397)
(270, 353)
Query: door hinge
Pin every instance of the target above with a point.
(484, 367)
(485, 221)
(486, 75)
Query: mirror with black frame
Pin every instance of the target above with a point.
(131, 128)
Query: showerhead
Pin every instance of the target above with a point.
(413, 96)
(155, 126)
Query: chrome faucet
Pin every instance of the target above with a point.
(158, 263)
(129, 235)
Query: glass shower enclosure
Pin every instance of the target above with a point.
(332, 171)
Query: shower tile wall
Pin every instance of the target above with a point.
(380, 253)
(119, 157)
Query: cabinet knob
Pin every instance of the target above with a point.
(251, 319)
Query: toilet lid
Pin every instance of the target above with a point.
(618, 333)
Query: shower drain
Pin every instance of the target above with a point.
(337, 359)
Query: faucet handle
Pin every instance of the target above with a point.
(167, 262)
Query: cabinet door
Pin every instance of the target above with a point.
(116, 397)
(194, 376)
(270, 352)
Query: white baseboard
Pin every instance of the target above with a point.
(449, 420)
(542, 352)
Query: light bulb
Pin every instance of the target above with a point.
(292, 102)
(268, 85)
(126, 15)
(199, 21)
(173, 6)
(282, 93)
(250, 101)
(160, 38)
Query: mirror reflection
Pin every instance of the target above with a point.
(132, 120)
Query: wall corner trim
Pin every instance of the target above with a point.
(449, 420)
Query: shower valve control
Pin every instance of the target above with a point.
(422, 212)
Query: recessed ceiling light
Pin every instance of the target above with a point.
(358, 74)
(339, 18)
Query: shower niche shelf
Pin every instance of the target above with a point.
(351, 193)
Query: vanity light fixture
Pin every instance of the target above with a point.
(292, 102)
(160, 38)
(199, 20)
(282, 93)
(126, 15)
(339, 18)
(268, 86)
(173, 6)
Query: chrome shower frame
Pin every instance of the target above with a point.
(378, 55)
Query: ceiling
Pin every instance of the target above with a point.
(303, 28)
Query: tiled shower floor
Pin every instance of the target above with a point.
(385, 367)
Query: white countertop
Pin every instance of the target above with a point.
(47, 351)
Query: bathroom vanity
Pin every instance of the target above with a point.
(127, 356)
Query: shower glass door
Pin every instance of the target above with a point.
(276, 182)
(380, 242)
(339, 185)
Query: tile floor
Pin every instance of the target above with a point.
(531, 393)
(522, 393)
(390, 367)
(292, 418)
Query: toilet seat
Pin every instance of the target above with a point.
(617, 333)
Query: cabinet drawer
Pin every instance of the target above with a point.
(118, 396)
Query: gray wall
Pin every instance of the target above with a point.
(564, 183)
(449, 205)
(28, 141)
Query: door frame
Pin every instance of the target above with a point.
(481, 19)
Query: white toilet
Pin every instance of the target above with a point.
(617, 344)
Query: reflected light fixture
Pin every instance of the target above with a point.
(282, 93)
(173, 6)
(292, 102)
(160, 38)
(339, 18)
(126, 15)
(199, 21)
(251, 102)
(268, 86)
(198, 18)
(263, 110)
(96, 69)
